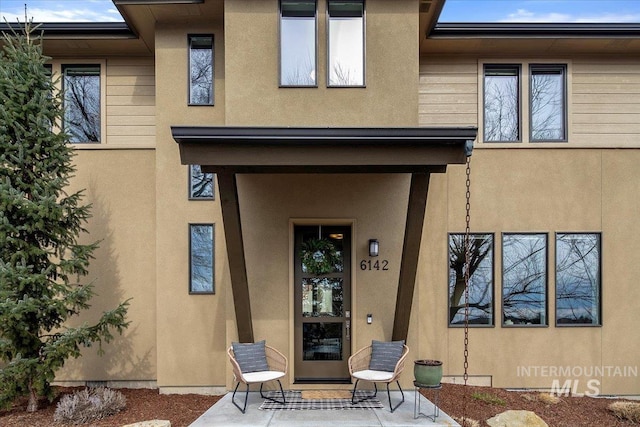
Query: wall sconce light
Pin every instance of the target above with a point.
(374, 247)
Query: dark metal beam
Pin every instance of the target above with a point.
(228, 188)
(410, 252)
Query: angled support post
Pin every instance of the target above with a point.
(228, 188)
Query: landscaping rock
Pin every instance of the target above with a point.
(516, 419)
(150, 423)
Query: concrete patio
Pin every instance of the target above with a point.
(225, 414)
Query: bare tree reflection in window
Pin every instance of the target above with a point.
(480, 279)
(202, 258)
(201, 70)
(547, 103)
(346, 43)
(501, 104)
(200, 183)
(578, 278)
(82, 102)
(524, 279)
(298, 43)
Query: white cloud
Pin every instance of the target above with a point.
(524, 15)
(74, 11)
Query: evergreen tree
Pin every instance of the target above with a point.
(41, 261)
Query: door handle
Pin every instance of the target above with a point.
(348, 326)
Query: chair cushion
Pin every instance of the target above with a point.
(373, 376)
(250, 356)
(262, 376)
(385, 355)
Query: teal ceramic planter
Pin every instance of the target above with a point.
(427, 372)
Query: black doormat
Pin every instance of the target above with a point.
(295, 402)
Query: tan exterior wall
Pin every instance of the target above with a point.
(130, 102)
(606, 101)
(191, 328)
(117, 184)
(252, 71)
(544, 191)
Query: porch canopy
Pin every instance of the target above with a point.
(227, 151)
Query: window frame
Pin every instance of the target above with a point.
(564, 100)
(61, 67)
(364, 46)
(491, 285)
(518, 74)
(190, 184)
(599, 323)
(190, 48)
(545, 278)
(280, 48)
(212, 291)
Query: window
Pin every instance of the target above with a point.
(201, 254)
(547, 109)
(502, 103)
(81, 85)
(524, 279)
(201, 70)
(200, 183)
(346, 43)
(480, 279)
(547, 103)
(298, 43)
(578, 287)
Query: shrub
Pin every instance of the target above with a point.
(547, 398)
(626, 410)
(89, 405)
(488, 398)
(467, 422)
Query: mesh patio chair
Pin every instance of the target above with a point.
(274, 368)
(362, 368)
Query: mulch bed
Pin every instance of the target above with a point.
(182, 410)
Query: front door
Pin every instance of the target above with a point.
(322, 293)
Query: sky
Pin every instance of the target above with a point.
(619, 11)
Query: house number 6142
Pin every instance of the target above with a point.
(367, 264)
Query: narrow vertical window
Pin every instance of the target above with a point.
(524, 279)
(346, 43)
(578, 287)
(480, 279)
(501, 103)
(201, 70)
(81, 85)
(200, 183)
(201, 271)
(298, 43)
(548, 103)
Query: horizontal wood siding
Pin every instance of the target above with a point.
(130, 102)
(448, 92)
(606, 102)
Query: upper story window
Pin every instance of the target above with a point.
(298, 43)
(82, 104)
(548, 103)
(201, 70)
(503, 105)
(346, 43)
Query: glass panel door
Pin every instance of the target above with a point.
(322, 303)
